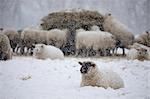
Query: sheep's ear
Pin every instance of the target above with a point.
(33, 45)
(146, 31)
(109, 14)
(93, 64)
(80, 63)
(145, 50)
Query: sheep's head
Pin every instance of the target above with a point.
(142, 54)
(87, 67)
(142, 51)
(39, 48)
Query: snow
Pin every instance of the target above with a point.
(29, 78)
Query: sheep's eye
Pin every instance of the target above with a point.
(42, 46)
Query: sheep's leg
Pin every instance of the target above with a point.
(108, 52)
(17, 49)
(88, 52)
(116, 50)
(123, 49)
(13, 49)
(113, 51)
(28, 51)
(22, 50)
(97, 53)
(85, 52)
(77, 52)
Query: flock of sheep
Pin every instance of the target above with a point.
(43, 44)
(93, 42)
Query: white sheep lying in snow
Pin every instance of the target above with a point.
(92, 76)
(43, 51)
(95, 40)
(139, 51)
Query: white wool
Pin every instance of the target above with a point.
(58, 36)
(80, 30)
(34, 35)
(95, 39)
(138, 46)
(102, 78)
(95, 28)
(118, 29)
(11, 33)
(47, 51)
(143, 38)
(132, 54)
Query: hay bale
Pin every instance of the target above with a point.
(72, 20)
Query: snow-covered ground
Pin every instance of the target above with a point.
(29, 78)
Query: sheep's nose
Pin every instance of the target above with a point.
(83, 70)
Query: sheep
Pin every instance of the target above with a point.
(5, 48)
(30, 36)
(97, 40)
(92, 76)
(57, 37)
(54, 37)
(13, 37)
(120, 31)
(144, 38)
(43, 51)
(138, 51)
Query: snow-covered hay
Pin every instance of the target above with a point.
(72, 20)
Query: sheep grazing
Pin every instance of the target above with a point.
(96, 40)
(92, 76)
(5, 48)
(13, 37)
(144, 38)
(43, 51)
(30, 36)
(57, 37)
(120, 31)
(138, 51)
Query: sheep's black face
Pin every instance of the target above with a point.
(86, 66)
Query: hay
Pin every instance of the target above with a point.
(72, 21)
